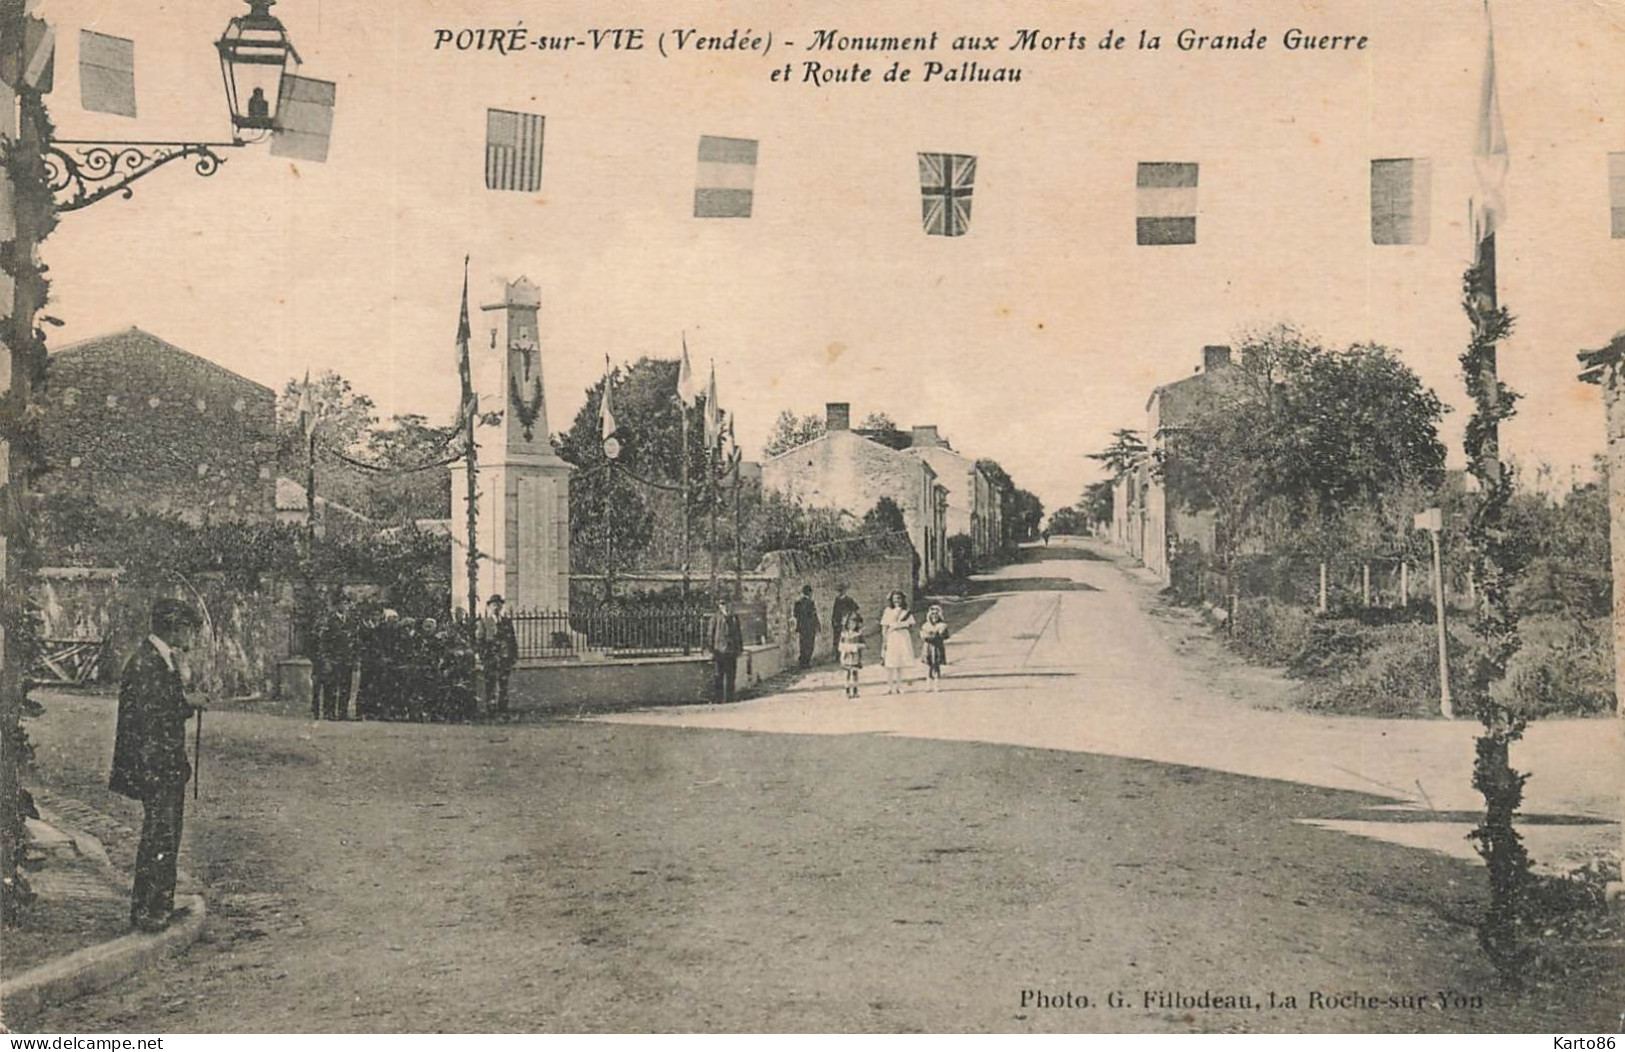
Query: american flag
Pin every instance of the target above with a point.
(513, 151)
(945, 189)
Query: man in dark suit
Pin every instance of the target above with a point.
(844, 605)
(149, 756)
(727, 643)
(499, 653)
(335, 660)
(805, 614)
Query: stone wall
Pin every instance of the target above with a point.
(847, 471)
(141, 425)
(234, 655)
(870, 567)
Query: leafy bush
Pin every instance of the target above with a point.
(1565, 668)
(961, 554)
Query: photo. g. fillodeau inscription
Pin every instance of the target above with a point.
(577, 519)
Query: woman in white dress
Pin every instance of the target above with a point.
(897, 639)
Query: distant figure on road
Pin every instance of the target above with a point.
(850, 646)
(499, 653)
(897, 639)
(727, 643)
(845, 607)
(934, 645)
(1046, 538)
(149, 756)
(805, 613)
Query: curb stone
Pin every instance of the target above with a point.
(102, 965)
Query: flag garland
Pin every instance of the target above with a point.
(1166, 197)
(713, 414)
(946, 183)
(725, 185)
(513, 150)
(1401, 199)
(106, 73)
(1616, 194)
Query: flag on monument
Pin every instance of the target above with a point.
(306, 410)
(304, 118)
(1616, 192)
(106, 73)
(466, 403)
(1401, 199)
(513, 151)
(687, 390)
(727, 176)
(1490, 155)
(713, 414)
(1166, 194)
(946, 181)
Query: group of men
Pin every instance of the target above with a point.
(805, 615)
(408, 668)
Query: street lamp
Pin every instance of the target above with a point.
(254, 54)
(255, 58)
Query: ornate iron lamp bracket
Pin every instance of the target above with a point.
(81, 172)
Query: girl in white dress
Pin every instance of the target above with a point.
(897, 638)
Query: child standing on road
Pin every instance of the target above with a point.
(851, 651)
(934, 642)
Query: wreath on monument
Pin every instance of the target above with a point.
(526, 406)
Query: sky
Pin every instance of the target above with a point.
(1029, 340)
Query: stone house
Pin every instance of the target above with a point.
(974, 505)
(849, 471)
(1143, 523)
(144, 426)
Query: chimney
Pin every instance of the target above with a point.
(925, 437)
(1214, 357)
(838, 416)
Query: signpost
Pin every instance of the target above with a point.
(1432, 520)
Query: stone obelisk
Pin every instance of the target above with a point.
(524, 486)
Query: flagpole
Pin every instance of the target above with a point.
(682, 410)
(739, 541)
(471, 453)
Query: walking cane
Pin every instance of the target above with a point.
(197, 755)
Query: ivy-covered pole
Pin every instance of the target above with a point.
(28, 215)
(1495, 562)
(1606, 367)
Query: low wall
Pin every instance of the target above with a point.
(567, 688)
(243, 637)
(870, 568)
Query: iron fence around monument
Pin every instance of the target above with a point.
(615, 632)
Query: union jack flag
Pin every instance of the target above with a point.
(945, 189)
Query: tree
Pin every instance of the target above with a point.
(878, 427)
(345, 416)
(1097, 504)
(884, 517)
(1296, 442)
(1068, 521)
(790, 431)
(1126, 449)
(414, 484)
(878, 421)
(1028, 514)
